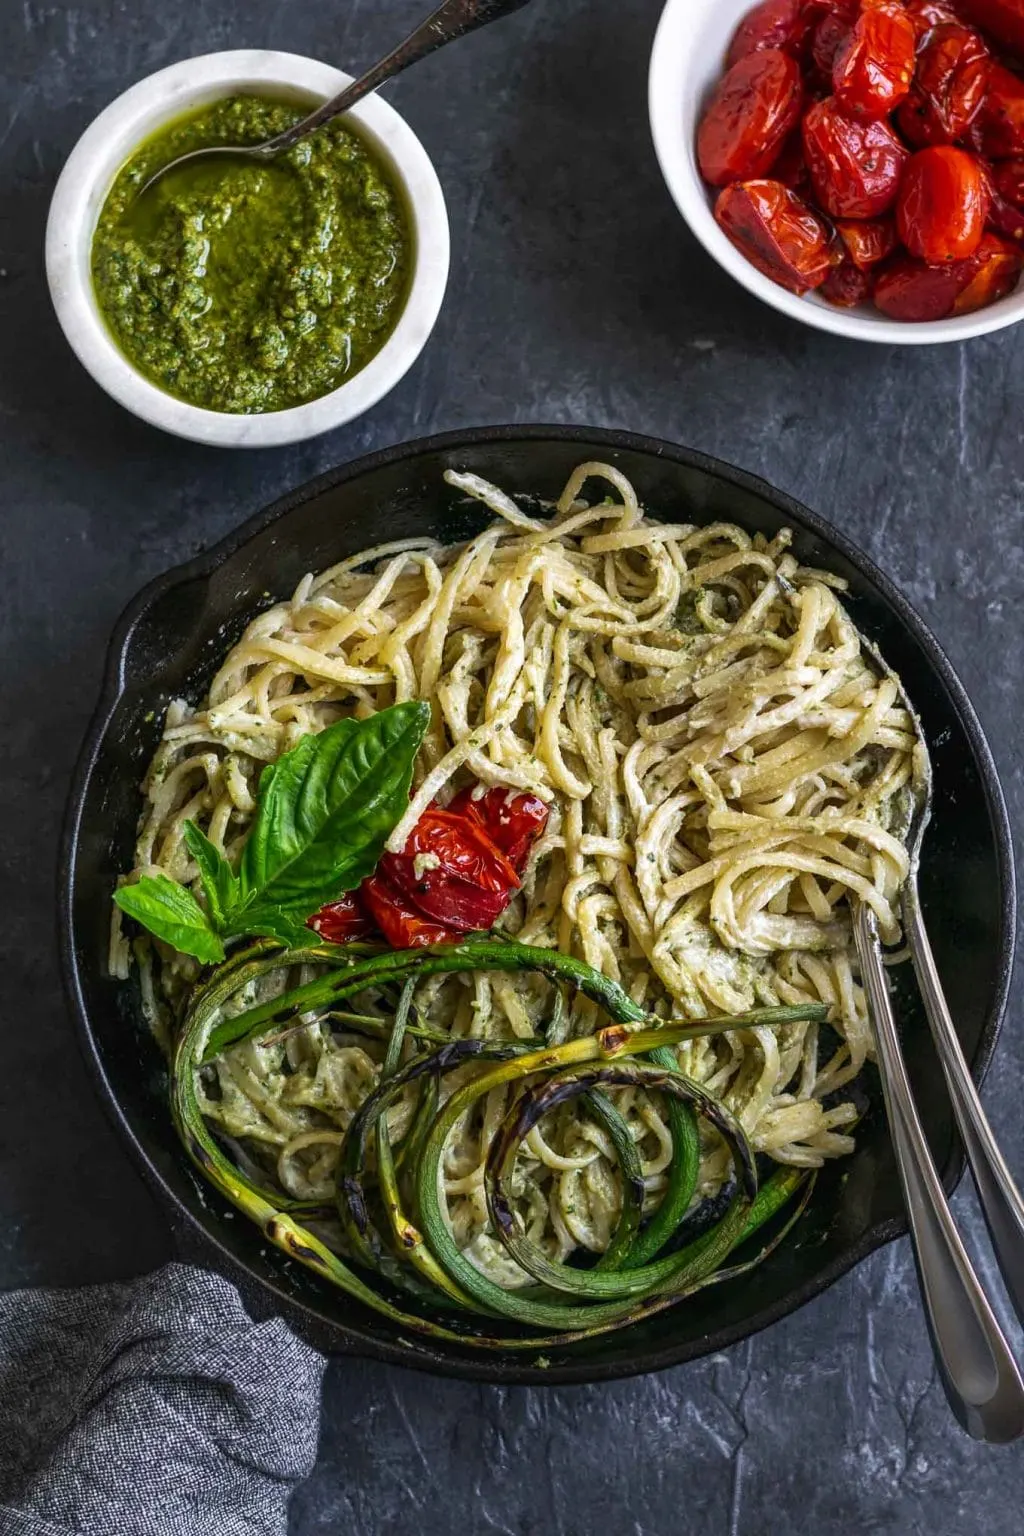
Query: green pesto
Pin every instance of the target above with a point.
(248, 287)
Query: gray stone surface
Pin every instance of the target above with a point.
(576, 295)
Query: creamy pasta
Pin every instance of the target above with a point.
(724, 768)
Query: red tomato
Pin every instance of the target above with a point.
(1003, 18)
(513, 822)
(451, 872)
(941, 211)
(874, 67)
(1008, 179)
(831, 34)
(908, 289)
(949, 87)
(777, 232)
(846, 286)
(996, 267)
(399, 921)
(772, 24)
(812, 11)
(1000, 124)
(342, 920)
(456, 874)
(1003, 184)
(753, 109)
(855, 166)
(867, 241)
(926, 14)
(791, 166)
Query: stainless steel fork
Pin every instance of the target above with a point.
(980, 1376)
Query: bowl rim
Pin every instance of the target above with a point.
(158, 99)
(357, 1337)
(678, 34)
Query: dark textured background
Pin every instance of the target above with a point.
(576, 295)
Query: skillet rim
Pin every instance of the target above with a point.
(358, 1339)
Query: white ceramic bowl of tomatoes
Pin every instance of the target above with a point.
(857, 164)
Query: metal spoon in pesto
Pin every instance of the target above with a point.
(452, 19)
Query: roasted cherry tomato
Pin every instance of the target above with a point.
(772, 24)
(867, 241)
(996, 267)
(1008, 180)
(949, 86)
(791, 166)
(451, 872)
(1004, 19)
(908, 289)
(512, 821)
(399, 921)
(831, 34)
(873, 69)
(457, 873)
(813, 11)
(846, 286)
(1000, 124)
(1005, 214)
(855, 165)
(940, 215)
(926, 14)
(777, 232)
(343, 920)
(756, 105)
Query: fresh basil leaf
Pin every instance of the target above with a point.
(171, 912)
(324, 813)
(219, 880)
(270, 924)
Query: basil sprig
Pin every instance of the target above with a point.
(324, 811)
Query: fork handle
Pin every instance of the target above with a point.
(978, 1372)
(1000, 1198)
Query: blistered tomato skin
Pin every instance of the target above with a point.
(778, 233)
(1008, 178)
(855, 165)
(830, 35)
(949, 86)
(941, 211)
(772, 24)
(999, 128)
(909, 289)
(1001, 19)
(867, 241)
(791, 166)
(755, 107)
(995, 269)
(1004, 187)
(806, 142)
(873, 69)
(846, 286)
(926, 14)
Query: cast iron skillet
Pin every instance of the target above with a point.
(168, 643)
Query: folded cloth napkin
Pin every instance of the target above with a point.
(149, 1408)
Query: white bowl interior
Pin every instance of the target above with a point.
(687, 61)
(140, 112)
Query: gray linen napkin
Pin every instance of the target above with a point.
(148, 1408)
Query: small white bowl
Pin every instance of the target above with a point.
(687, 61)
(133, 117)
